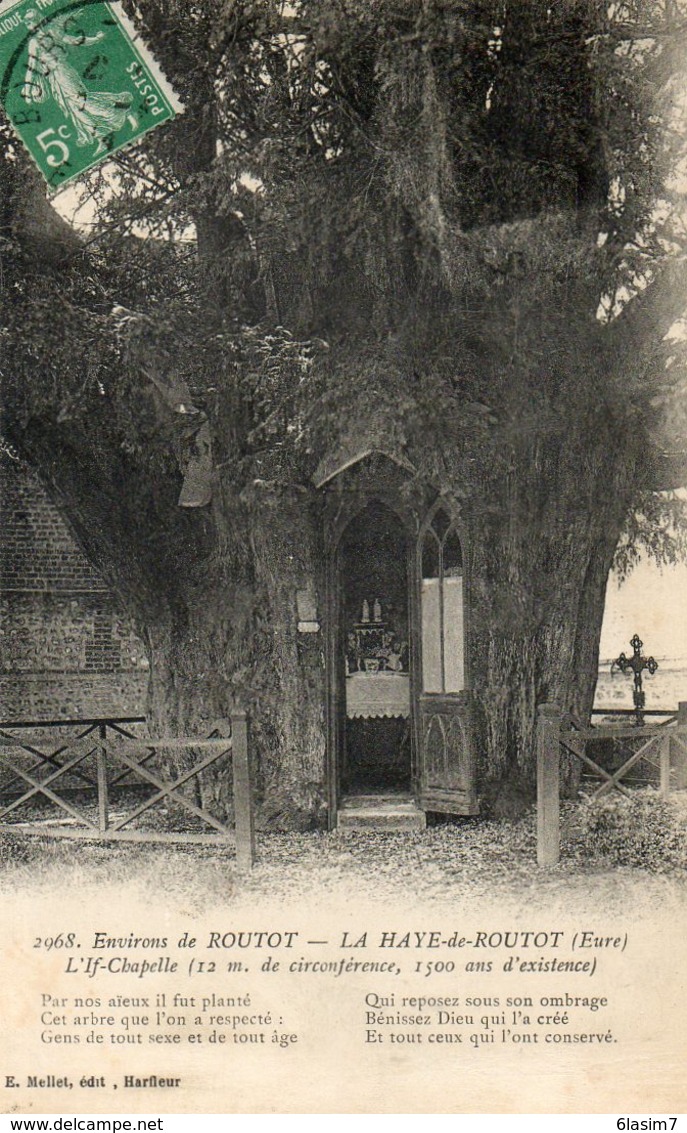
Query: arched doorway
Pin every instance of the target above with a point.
(399, 705)
(374, 635)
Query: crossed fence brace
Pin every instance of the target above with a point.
(135, 755)
(664, 739)
(575, 744)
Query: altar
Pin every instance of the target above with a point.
(376, 695)
(376, 686)
(377, 678)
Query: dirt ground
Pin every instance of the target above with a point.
(459, 865)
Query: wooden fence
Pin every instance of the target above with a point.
(78, 773)
(663, 745)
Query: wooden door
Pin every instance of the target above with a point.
(445, 776)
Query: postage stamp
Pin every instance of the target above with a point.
(77, 83)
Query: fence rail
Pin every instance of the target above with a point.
(664, 745)
(103, 755)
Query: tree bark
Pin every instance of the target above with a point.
(234, 643)
(539, 580)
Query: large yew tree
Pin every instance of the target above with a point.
(457, 226)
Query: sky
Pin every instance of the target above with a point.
(651, 602)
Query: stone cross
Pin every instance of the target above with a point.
(637, 664)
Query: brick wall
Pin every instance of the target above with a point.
(65, 648)
(37, 550)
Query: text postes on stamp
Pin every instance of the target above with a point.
(77, 83)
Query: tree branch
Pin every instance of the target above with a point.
(30, 218)
(645, 320)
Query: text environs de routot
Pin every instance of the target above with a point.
(273, 939)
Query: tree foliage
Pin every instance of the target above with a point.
(460, 223)
(460, 183)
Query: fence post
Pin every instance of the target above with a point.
(101, 765)
(243, 801)
(548, 785)
(679, 755)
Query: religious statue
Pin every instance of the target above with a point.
(352, 654)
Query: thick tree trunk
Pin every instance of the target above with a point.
(539, 582)
(234, 643)
(213, 592)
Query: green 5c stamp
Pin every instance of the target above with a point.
(77, 83)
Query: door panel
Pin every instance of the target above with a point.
(431, 635)
(446, 765)
(445, 772)
(454, 635)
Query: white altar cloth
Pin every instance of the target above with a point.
(377, 694)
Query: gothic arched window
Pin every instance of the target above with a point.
(442, 607)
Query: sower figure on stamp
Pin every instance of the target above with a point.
(96, 115)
